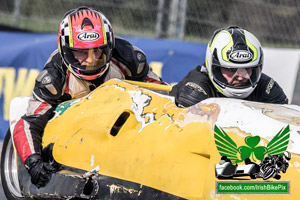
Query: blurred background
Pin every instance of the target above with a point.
(276, 23)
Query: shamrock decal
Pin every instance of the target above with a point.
(227, 147)
(246, 151)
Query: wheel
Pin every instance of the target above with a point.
(252, 176)
(9, 173)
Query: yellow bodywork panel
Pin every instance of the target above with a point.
(137, 135)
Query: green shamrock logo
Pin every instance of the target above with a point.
(227, 147)
(247, 151)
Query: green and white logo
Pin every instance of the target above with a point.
(273, 158)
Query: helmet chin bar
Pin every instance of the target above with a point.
(87, 77)
(238, 93)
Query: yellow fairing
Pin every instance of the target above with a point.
(153, 143)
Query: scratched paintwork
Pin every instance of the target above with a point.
(162, 146)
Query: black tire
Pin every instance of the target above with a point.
(252, 176)
(9, 174)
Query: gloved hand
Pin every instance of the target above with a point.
(189, 95)
(39, 171)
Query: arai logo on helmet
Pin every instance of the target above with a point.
(88, 36)
(240, 56)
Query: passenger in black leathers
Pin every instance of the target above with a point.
(88, 55)
(232, 68)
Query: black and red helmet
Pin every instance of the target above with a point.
(86, 29)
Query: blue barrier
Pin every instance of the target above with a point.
(23, 55)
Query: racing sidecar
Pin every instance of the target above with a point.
(226, 170)
(124, 141)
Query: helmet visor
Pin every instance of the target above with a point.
(237, 77)
(87, 61)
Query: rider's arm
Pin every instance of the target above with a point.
(28, 132)
(48, 89)
(193, 88)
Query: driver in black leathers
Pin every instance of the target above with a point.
(88, 55)
(232, 68)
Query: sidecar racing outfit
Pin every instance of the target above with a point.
(55, 84)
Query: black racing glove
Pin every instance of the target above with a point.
(39, 171)
(189, 95)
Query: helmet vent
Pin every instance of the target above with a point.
(86, 22)
(215, 55)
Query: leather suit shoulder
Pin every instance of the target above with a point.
(268, 91)
(50, 82)
(131, 59)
